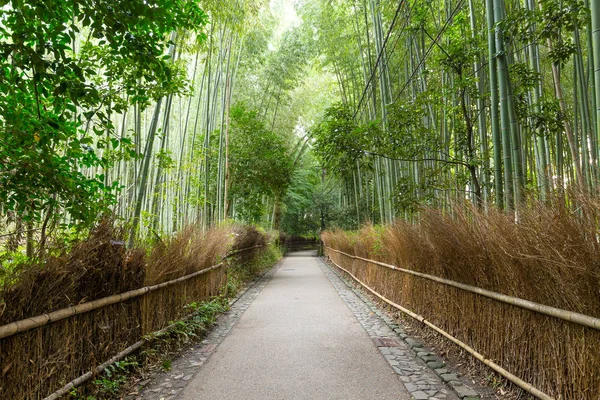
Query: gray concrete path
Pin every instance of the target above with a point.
(296, 340)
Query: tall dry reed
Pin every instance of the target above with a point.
(550, 256)
(35, 363)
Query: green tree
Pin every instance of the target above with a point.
(65, 69)
(260, 164)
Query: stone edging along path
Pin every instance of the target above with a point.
(167, 385)
(421, 372)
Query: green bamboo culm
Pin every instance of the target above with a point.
(505, 105)
(494, 118)
(595, 9)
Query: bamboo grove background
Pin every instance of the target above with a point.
(217, 140)
(492, 101)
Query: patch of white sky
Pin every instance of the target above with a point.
(285, 12)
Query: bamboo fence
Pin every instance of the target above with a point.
(45, 356)
(548, 352)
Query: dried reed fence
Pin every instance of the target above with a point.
(63, 319)
(550, 258)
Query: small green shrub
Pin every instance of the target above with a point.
(115, 376)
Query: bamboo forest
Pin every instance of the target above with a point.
(146, 144)
(358, 110)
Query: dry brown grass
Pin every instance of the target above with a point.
(95, 268)
(189, 251)
(551, 256)
(37, 362)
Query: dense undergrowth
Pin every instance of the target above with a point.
(100, 266)
(550, 256)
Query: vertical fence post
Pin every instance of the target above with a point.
(226, 272)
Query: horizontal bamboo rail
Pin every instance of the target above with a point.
(511, 377)
(129, 350)
(90, 374)
(44, 319)
(35, 322)
(565, 315)
(234, 252)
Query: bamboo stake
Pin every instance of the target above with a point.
(565, 315)
(512, 378)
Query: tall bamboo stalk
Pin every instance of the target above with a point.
(595, 11)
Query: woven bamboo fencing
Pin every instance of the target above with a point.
(555, 353)
(42, 354)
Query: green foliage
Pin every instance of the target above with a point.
(524, 80)
(339, 141)
(302, 211)
(166, 365)
(558, 20)
(113, 377)
(206, 312)
(549, 119)
(260, 163)
(405, 195)
(10, 264)
(241, 272)
(409, 136)
(66, 68)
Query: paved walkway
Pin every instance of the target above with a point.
(297, 340)
(300, 332)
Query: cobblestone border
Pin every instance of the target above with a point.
(168, 385)
(419, 369)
